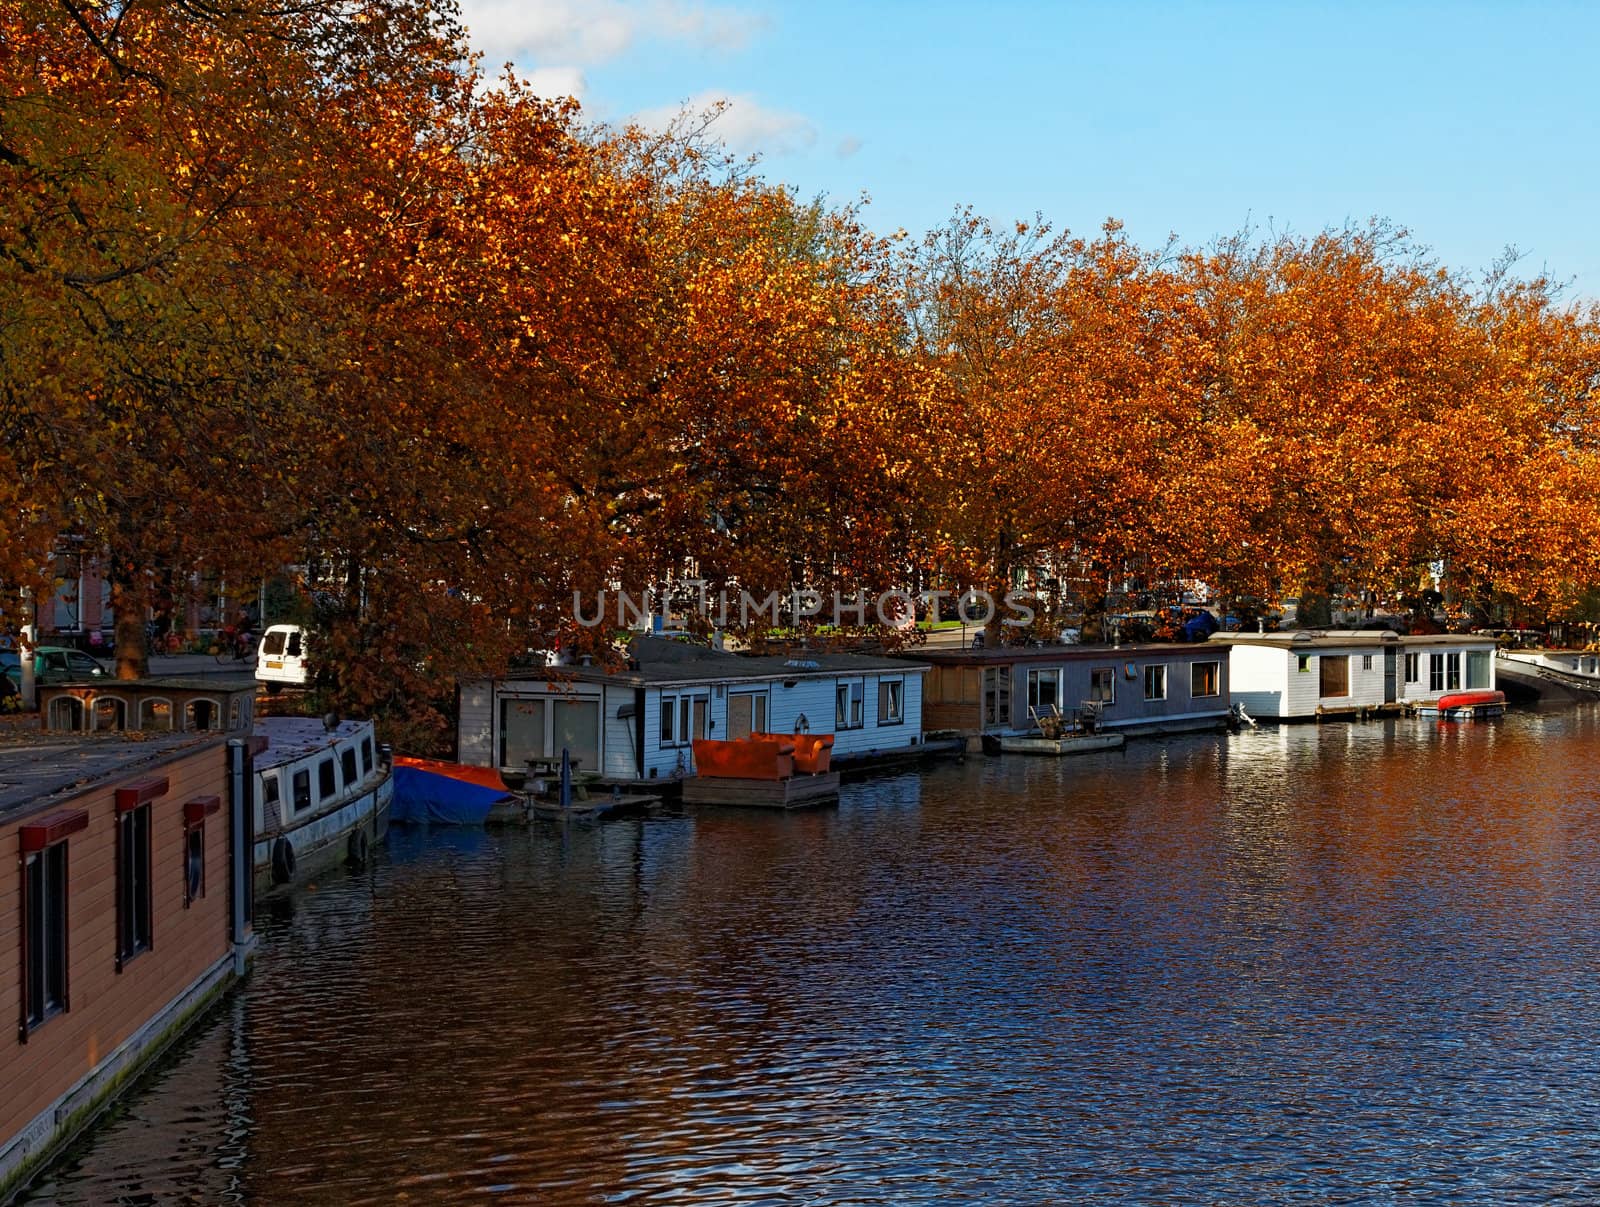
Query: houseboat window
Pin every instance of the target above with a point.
(326, 782)
(577, 728)
(891, 701)
(849, 699)
(45, 933)
(1302, 662)
(1205, 679)
(302, 790)
(1155, 682)
(347, 764)
(997, 695)
(522, 732)
(1452, 671)
(1103, 684)
(1366, 662)
(1335, 675)
(747, 714)
(366, 756)
(1413, 667)
(269, 789)
(693, 712)
(194, 863)
(849, 704)
(202, 715)
(133, 884)
(1044, 690)
(155, 714)
(1477, 668)
(1436, 672)
(109, 714)
(669, 717)
(66, 714)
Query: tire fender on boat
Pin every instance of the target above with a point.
(282, 861)
(357, 849)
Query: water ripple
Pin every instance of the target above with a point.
(1341, 965)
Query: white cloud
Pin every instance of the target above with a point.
(555, 82)
(848, 146)
(586, 32)
(744, 125)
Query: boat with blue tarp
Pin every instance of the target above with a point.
(432, 792)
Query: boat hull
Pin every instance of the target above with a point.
(325, 841)
(792, 792)
(1465, 706)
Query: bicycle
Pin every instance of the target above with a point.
(233, 645)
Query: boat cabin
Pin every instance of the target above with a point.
(164, 705)
(1311, 674)
(639, 723)
(1148, 688)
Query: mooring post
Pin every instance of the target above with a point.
(566, 779)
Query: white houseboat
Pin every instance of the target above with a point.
(1316, 674)
(1549, 675)
(322, 797)
(638, 724)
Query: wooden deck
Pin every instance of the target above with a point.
(525, 808)
(796, 792)
(1078, 743)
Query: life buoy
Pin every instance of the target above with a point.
(282, 861)
(356, 850)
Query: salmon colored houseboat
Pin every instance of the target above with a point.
(125, 908)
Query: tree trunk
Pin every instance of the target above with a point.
(130, 600)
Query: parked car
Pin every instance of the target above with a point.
(54, 664)
(281, 658)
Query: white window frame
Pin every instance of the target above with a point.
(1216, 674)
(849, 704)
(1155, 672)
(1037, 676)
(896, 689)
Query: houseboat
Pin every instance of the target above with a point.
(1549, 675)
(125, 909)
(322, 797)
(1309, 675)
(637, 724)
(1004, 697)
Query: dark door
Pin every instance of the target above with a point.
(1390, 694)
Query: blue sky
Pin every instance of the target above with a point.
(1472, 125)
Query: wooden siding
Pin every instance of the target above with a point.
(107, 1007)
(478, 727)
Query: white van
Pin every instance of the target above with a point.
(281, 658)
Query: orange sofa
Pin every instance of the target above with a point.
(813, 752)
(752, 758)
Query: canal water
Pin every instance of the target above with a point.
(1354, 963)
